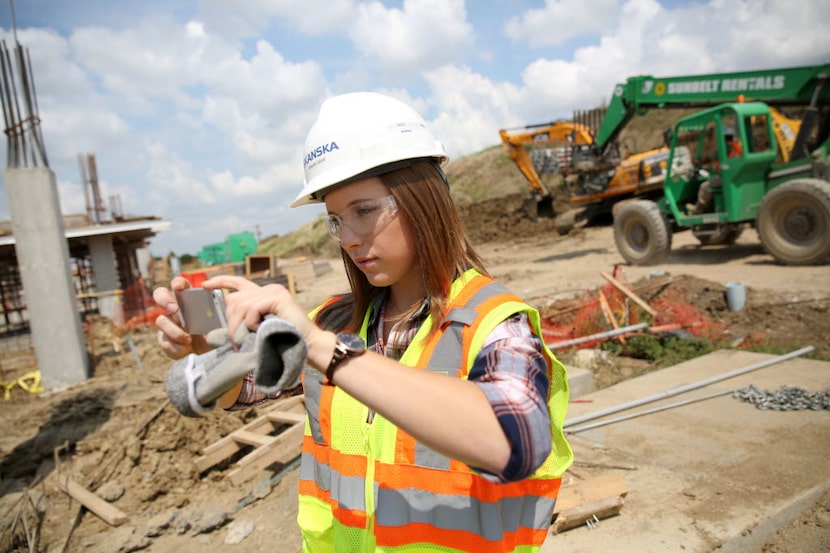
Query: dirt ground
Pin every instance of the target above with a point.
(115, 434)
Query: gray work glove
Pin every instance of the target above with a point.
(276, 354)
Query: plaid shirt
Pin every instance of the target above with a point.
(510, 369)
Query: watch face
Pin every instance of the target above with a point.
(352, 342)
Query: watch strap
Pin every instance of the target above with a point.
(337, 357)
(342, 351)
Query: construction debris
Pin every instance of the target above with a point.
(593, 499)
(109, 513)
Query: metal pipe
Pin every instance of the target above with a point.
(650, 411)
(592, 337)
(688, 387)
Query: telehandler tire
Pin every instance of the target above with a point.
(642, 233)
(794, 222)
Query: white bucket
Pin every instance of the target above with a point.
(735, 295)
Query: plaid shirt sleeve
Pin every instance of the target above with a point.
(249, 396)
(512, 372)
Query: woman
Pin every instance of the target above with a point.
(435, 410)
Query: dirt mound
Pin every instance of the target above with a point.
(504, 219)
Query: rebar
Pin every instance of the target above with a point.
(23, 134)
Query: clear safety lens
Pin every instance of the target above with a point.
(364, 218)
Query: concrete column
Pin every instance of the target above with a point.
(143, 255)
(43, 257)
(103, 263)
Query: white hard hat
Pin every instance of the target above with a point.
(359, 135)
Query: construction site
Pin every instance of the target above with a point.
(692, 477)
(698, 362)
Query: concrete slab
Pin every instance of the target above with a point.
(718, 473)
(580, 381)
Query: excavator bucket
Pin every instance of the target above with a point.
(539, 206)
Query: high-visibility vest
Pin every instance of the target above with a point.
(366, 485)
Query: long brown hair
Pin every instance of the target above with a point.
(444, 250)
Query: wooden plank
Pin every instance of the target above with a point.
(609, 315)
(286, 404)
(273, 450)
(282, 449)
(609, 484)
(627, 291)
(286, 417)
(597, 510)
(110, 514)
(251, 438)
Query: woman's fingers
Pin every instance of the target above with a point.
(230, 282)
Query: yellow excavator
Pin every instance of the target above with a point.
(567, 151)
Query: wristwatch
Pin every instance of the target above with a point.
(348, 345)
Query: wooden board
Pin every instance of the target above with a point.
(276, 436)
(589, 500)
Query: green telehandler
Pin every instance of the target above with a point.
(745, 172)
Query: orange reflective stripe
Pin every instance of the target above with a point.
(343, 463)
(319, 451)
(455, 465)
(462, 540)
(309, 488)
(466, 483)
(326, 394)
(348, 465)
(349, 517)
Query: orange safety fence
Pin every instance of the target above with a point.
(587, 317)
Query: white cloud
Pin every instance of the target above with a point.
(174, 176)
(254, 17)
(470, 108)
(423, 34)
(562, 20)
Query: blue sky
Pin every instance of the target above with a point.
(197, 111)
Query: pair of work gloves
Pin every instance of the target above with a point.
(275, 353)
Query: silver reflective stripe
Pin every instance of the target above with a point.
(426, 457)
(318, 473)
(348, 491)
(448, 350)
(312, 388)
(490, 520)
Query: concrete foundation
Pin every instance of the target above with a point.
(43, 257)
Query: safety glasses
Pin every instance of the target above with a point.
(367, 217)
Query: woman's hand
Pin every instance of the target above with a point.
(173, 339)
(249, 303)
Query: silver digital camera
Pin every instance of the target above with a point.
(201, 310)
